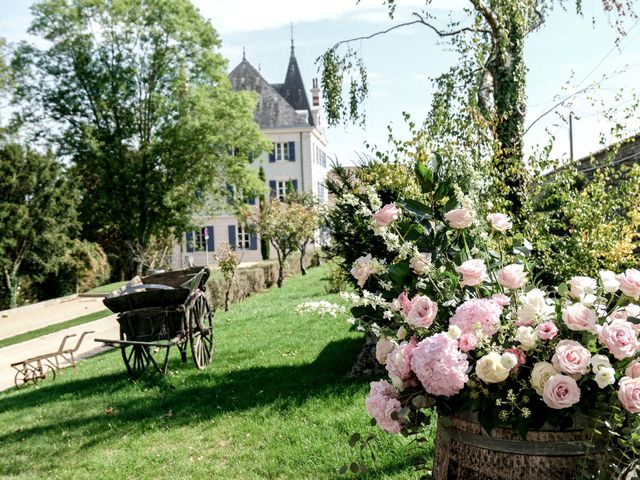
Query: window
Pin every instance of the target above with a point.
(243, 239)
(283, 151)
(200, 240)
(321, 192)
(281, 189)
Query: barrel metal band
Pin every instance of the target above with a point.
(524, 447)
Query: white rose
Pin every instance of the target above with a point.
(421, 263)
(383, 348)
(605, 377)
(534, 307)
(499, 222)
(598, 362)
(609, 281)
(401, 334)
(541, 373)
(527, 336)
(581, 286)
(490, 369)
(509, 360)
(454, 332)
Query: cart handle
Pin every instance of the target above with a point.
(75, 349)
(64, 340)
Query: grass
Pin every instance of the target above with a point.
(23, 337)
(274, 404)
(107, 288)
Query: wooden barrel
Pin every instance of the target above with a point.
(465, 451)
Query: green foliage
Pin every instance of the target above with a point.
(265, 251)
(37, 216)
(579, 226)
(228, 262)
(145, 111)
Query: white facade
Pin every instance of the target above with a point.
(307, 169)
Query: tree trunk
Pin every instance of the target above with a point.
(226, 299)
(303, 251)
(282, 258)
(11, 278)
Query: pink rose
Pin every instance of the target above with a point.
(387, 214)
(633, 370)
(399, 363)
(478, 316)
(571, 358)
(381, 403)
(520, 356)
(423, 311)
(501, 299)
(512, 276)
(620, 339)
(467, 342)
(404, 303)
(581, 286)
(440, 366)
(630, 283)
(547, 330)
(363, 268)
(459, 218)
(499, 222)
(561, 391)
(629, 394)
(473, 272)
(579, 317)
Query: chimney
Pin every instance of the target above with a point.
(315, 95)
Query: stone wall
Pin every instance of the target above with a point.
(254, 278)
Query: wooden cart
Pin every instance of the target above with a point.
(164, 310)
(43, 367)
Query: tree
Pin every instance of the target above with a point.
(37, 215)
(139, 95)
(484, 91)
(283, 224)
(264, 243)
(311, 225)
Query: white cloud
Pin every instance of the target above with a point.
(229, 16)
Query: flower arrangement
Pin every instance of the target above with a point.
(463, 325)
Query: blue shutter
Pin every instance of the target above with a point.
(189, 241)
(253, 242)
(295, 185)
(251, 201)
(272, 153)
(198, 194)
(232, 237)
(272, 186)
(292, 151)
(210, 244)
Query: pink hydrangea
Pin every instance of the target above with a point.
(399, 361)
(561, 391)
(501, 299)
(381, 403)
(620, 338)
(440, 366)
(402, 303)
(477, 315)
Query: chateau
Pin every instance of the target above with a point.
(299, 156)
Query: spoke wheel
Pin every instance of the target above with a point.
(140, 358)
(22, 377)
(201, 325)
(47, 374)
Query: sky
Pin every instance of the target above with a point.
(568, 54)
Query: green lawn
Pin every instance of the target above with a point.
(107, 288)
(23, 337)
(275, 404)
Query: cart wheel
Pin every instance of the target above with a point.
(201, 322)
(139, 358)
(48, 374)
(23, 376)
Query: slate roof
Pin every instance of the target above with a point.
(277, 103)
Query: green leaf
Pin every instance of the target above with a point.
(563, 289)
(425, 177)
(354, 467)
(634, 320)
(399, 272)
(343, 470)
(418, 209)
(353, 441)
